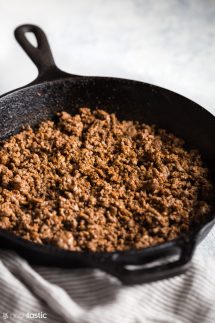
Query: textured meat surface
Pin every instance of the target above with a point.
(92, 182)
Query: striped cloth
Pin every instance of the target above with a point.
(82, 296)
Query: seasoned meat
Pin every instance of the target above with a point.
(92, 182)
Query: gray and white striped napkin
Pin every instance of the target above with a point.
(39, 294)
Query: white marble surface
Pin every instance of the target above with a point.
(167, 42)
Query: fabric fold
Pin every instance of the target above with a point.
(91, 296)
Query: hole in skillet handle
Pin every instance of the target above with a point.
(41, 54)
(152, 264)
(32, 39)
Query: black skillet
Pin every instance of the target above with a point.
(55, 90)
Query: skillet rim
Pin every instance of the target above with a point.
(73, 79)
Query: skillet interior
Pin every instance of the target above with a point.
(130, 100)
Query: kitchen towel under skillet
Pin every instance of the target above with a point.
(81, 296)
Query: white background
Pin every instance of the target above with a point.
(167, 42)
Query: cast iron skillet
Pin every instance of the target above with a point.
(55, 90)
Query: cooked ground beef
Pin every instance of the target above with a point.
(92, 182)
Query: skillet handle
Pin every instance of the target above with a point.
(153, 265)
(41, 55)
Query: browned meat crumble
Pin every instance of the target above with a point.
(92, 182)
